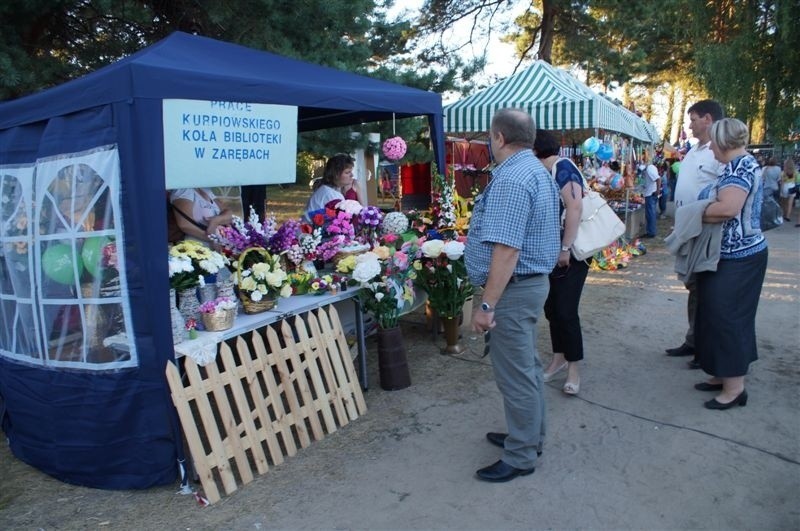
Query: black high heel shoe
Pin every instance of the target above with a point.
(740, 400)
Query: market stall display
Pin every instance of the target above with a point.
(98, 146)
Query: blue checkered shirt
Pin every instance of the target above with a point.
(519, 208)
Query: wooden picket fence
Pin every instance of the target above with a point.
(252, 407)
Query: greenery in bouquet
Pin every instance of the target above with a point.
(442, 274)
(386, 279)
(240, 235)
(262, 276)
(190, 261)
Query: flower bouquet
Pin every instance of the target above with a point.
(261, 280)
(190, 261)
(218, 314)
(442, 274)
(240, 235)
(386, 281)
(325, 283)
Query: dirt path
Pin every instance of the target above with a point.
(636, 449)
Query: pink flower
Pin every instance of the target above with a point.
(400, 260)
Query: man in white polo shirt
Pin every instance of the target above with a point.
(698, 169)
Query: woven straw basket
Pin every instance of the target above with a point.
(219, 320)
(250, 306)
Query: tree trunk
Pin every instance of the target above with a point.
(549, 13)
(667, 132)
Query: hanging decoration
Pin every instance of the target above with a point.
(394, 148)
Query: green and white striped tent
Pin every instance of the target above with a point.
(555, 99)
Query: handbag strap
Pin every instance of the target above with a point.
(187, 218)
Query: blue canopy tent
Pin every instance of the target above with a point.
(106, 420)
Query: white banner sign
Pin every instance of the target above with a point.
(220, 143)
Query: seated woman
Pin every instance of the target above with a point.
(197, 212)
(337, 176)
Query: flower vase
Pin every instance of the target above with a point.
(451, 335)
(188, 304)
(208, 292)
(392, 362)
(225, 288)
(178, 324)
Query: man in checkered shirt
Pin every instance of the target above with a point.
(512, 246)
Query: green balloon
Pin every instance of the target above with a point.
(92, 253)
(676, 166)
(57, 264)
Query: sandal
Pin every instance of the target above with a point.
(571, 388)
(550, 375)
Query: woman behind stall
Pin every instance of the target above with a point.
(569, 275)
(197, 213)
(336, 178)
(725, 334)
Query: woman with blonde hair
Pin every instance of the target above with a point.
(788, 187)
(725, 324)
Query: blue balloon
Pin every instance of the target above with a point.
(591, 145)
(605, 152)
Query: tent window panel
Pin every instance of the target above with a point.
(61, 278)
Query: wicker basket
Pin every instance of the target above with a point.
(219, 320)
(344, 254)
(249, 305)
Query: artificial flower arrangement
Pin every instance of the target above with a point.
(218, 314)
(394, 148)
(443, 206)
(325, 283)
(394, 223)
(240, 234)
(442, 274)
(190, 261)
(260, 277)
(300, 281)
(386, 279)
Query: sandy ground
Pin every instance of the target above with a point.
(636, 449)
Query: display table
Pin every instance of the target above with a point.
(285, 308)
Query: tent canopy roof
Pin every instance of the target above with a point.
(555, 99)
(188, 66)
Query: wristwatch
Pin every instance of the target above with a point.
(486, 307)
(564, 249)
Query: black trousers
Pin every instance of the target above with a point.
(561, 308)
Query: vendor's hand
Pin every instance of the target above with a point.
(482, 321)
(563, 259)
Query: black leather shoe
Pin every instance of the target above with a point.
(694, 364)
(683, 350)
(499, 439)
(740, 400)
(705, 386)
(501, 472)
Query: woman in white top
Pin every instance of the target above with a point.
(197, 212)
(337, 176)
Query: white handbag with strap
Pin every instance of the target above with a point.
(599, 227)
